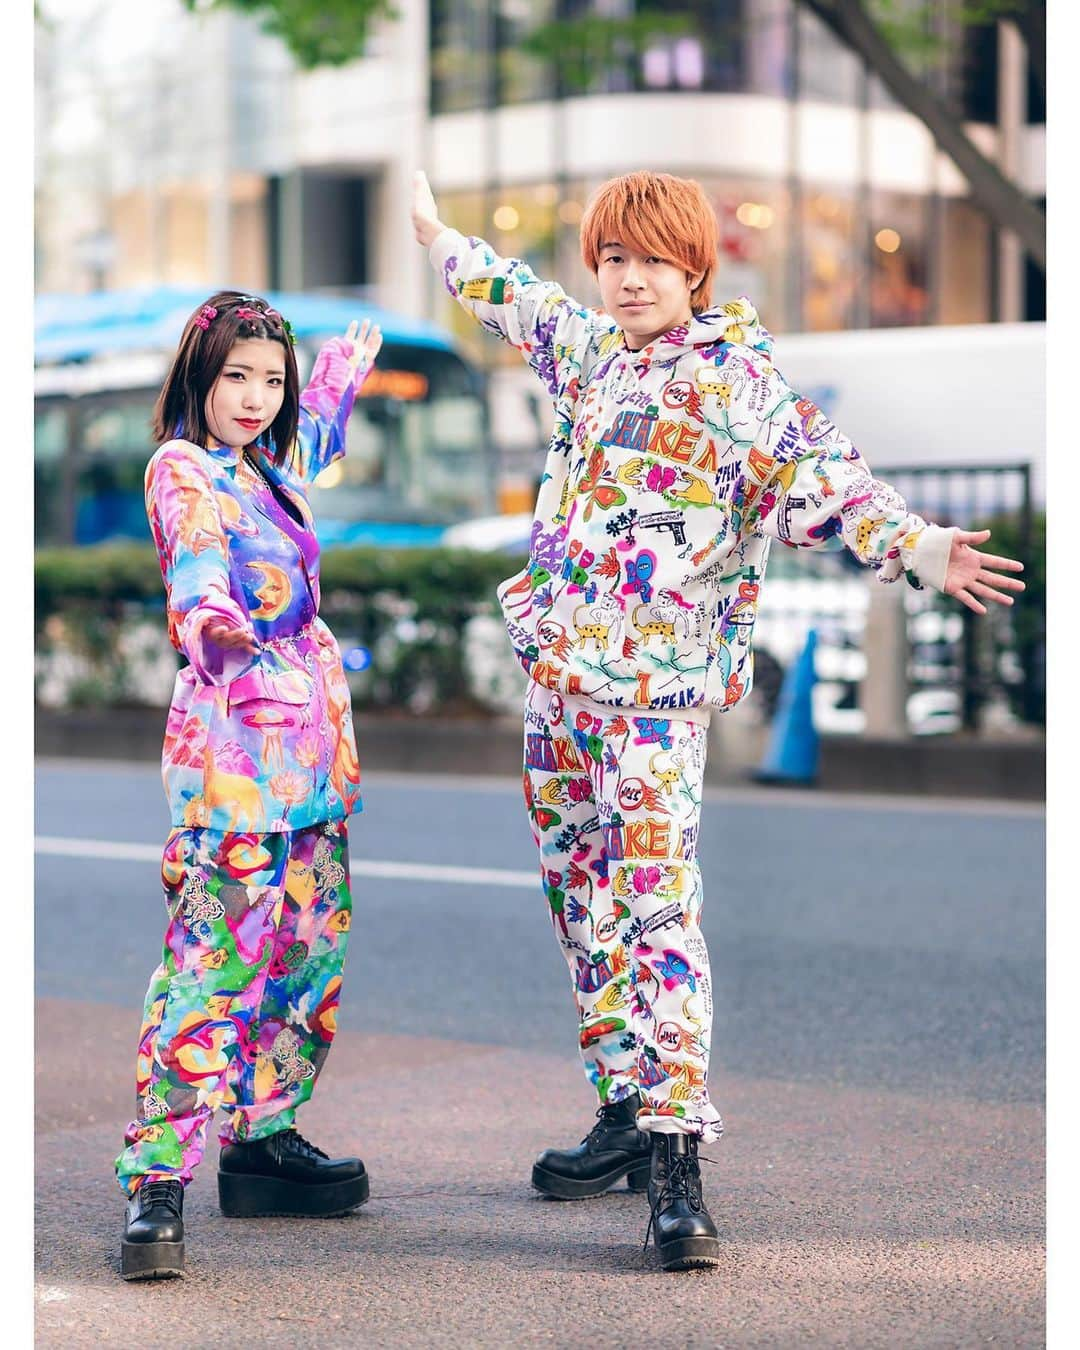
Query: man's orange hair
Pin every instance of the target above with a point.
(655, 213)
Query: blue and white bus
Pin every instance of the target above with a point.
(419, 453)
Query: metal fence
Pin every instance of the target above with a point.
(999, 658)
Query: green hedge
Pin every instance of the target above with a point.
(408, 607)
(441, 581)
(1022, 627)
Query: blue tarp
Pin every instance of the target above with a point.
(77, 327)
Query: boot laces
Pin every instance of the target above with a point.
(294, 1142)
(683, 1182)
(605, 1118)
(165, 1193)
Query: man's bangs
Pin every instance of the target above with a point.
(656, 215)
(643, 229)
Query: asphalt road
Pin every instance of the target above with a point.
(878, 1056)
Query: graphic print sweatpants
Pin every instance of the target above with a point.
(241, 1012)
(615, 800)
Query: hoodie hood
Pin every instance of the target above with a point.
(731, 324)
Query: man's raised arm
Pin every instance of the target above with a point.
(504, 295)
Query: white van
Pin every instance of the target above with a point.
(917, 397)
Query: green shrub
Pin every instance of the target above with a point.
(408, 607)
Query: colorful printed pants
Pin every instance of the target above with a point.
(614, 802)
(243, 1007)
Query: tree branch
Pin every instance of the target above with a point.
(989, 187)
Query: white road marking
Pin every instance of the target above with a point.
(743, 794)
(111, 851)
(51, 1293)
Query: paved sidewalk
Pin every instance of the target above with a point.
(848, 1217)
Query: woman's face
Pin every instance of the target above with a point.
(248, 393)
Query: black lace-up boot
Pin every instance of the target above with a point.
(681, 1226)
(153, 1245)
(614, 1148)
(286, 1176)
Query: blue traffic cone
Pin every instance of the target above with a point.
(792, 754)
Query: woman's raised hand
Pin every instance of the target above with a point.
(425, 214)
(365, 340)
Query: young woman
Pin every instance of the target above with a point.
(678, 454)
(261, 774)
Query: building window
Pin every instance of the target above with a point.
(828, 71)
(767, 47)
(522, 77)
(249, 244)
(186, 235)
(462, 39)
(963, 269)
(833, 259)
(133, 224)
(977, 73)
(754, 218)
(898, 260)
(1035, 283)
(704, 48)
(619, 46)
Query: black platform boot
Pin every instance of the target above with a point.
(681, 1226)
(153, 1245)
(614, 1148)
(286, 1176)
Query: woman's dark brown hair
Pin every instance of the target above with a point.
(180, 411)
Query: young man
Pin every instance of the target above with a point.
(679, 453)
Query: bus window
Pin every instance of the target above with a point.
(113, 446)
(50, 441)
(440, 441)
(417, 455)
(415, 451)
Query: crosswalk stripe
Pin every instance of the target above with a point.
(385, 870)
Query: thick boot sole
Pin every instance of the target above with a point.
(247, 1196)
(695, 1253)
(567, 1188)
(151, 1260)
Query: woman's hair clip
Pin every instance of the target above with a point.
(208, 313)
(286, 326)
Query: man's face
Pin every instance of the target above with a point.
(644, 294)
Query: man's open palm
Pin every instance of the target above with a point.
(971, 574)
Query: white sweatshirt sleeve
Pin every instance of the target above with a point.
(806, 483)
(506, 297)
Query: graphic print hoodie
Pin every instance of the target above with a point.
(670, 471)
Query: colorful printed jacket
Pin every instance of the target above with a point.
(669, 472)
(262, 743)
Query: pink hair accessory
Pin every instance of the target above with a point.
(244, 312)
(286, 326)
(204, 316)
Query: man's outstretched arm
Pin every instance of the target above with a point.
(814, 486)
(504, 295)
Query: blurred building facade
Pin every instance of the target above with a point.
(187, 148)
